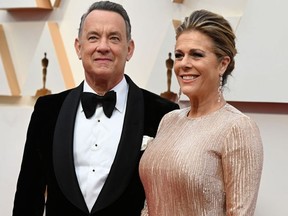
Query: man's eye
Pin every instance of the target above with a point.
(92, 38)
(115, 39)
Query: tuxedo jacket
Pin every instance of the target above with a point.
(48, 165)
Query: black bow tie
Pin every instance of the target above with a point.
(90, 100)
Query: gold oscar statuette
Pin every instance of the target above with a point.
(169, 94)
(43, 91)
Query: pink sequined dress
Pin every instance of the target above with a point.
(206, 166)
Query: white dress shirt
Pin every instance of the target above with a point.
(95, 143)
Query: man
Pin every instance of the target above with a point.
(88, 163)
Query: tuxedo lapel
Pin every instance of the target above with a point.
(126, 159)
(63, 150)
(128, 152)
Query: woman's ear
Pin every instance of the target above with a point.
(224, 64)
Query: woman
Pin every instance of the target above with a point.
(207, 158)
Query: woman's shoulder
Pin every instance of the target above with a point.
(237, 117)
(233, 112)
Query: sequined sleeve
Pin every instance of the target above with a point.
(242, 165)
(144, 211)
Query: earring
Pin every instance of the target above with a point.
(220, 87)
(179, 95)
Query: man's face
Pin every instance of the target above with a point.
(103, 48)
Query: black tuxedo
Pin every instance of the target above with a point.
(48, 157)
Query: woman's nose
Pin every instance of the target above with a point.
(186, 62)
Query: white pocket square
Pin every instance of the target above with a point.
(146, 140)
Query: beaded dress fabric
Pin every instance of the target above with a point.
(206, 166)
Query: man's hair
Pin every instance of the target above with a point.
(108, 6)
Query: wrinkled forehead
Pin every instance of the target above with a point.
(104, 19)
(194, 39)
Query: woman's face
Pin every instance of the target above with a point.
(196, 66)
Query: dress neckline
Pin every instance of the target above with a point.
(206, 115)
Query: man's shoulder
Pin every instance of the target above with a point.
(151, 99)
(151, 95)
(60, 96)
(53, 101)
(157, 99)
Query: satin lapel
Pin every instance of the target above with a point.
(128, 152)
(63, 150)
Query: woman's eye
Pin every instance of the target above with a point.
(197, 55)
(178, 55)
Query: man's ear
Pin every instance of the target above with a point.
(131, 47)
(77, 47)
